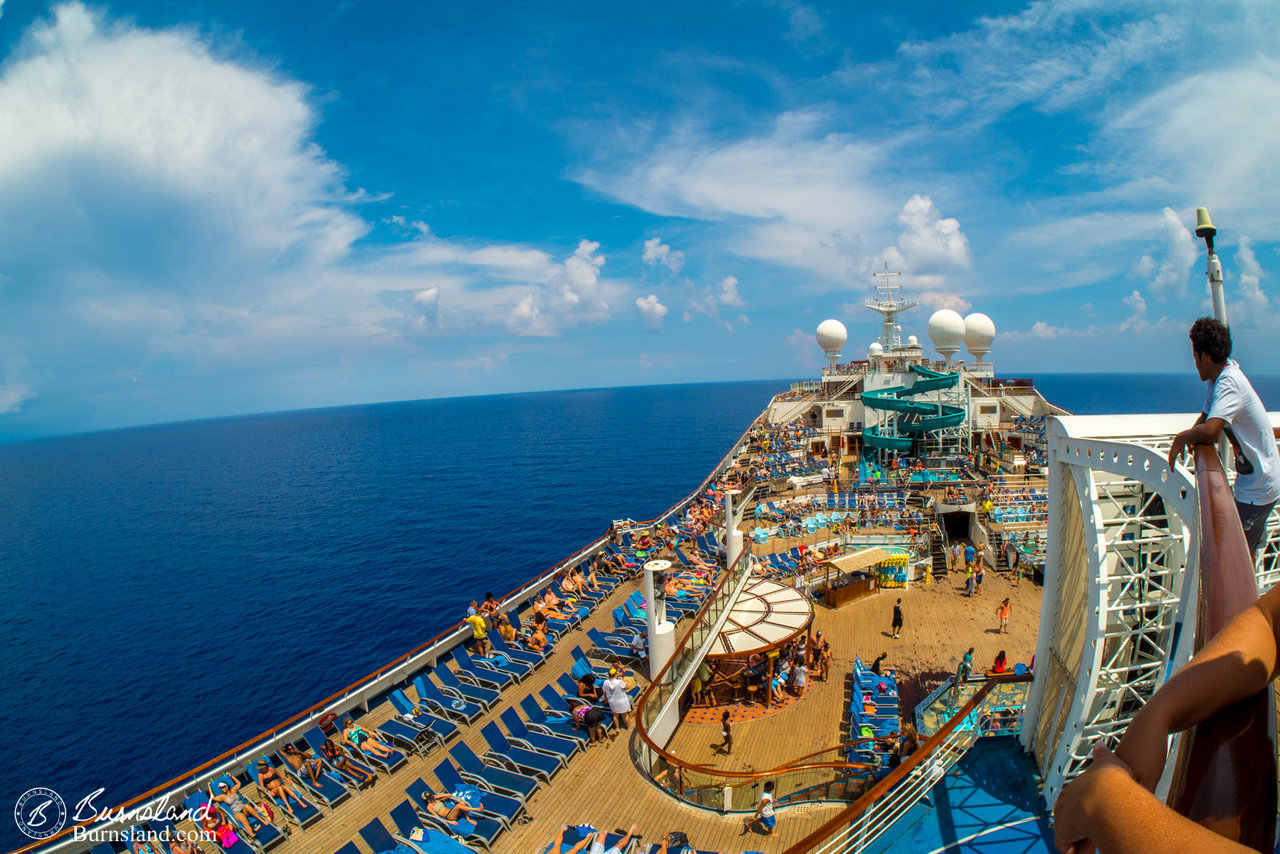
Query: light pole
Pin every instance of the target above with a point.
(1205, 229)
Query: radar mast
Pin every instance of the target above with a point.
(890, 304)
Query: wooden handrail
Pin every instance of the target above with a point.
(1225, 777)
(922, 754)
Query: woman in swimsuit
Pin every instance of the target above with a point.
(270, 781)
(587, 689)
(237, 806)
(542, 605)
(340, 761)
(216, 827)
(300, 761)
(435, 806)
(183, 845)
(362, 741)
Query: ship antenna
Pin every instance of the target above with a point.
(1206, 229)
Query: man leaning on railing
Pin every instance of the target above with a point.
(1232, 407)
(1111, 806)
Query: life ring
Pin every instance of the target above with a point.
(327, 720)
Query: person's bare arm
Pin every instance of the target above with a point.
(1110, 805)
(1206, 431)
(1237, 663)
(1106, 809)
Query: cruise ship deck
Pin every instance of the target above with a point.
(602, 787)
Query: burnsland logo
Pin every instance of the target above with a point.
(40, 813)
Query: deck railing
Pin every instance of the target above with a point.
(1225, 778)
(865, 819)
(824, 775)
(359, 694)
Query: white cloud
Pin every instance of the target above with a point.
(1251, 273)
(1170, 274)
(651, 311)
(656, 252)
(727, 292)
(928, 242)
(936, 300)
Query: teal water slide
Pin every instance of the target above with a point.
(915, 418)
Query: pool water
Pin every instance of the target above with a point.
(988, 804)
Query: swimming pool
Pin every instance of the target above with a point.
(934, 477)
(989, 803)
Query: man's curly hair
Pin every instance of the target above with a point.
(1212, 338)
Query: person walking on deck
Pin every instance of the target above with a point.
(1231, 406)
(1002, 611)
(897, 618)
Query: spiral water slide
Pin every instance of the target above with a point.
(914, 418)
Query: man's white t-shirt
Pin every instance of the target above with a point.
(615, 692)
(1233, 399)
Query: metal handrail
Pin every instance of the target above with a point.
(1225, 777)
(926, 751)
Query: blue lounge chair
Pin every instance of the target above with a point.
(451, 685)
(516, 670)
(198, 800)
(315, 739)
(488, 775)
(494, 680)
(531, 762)
(408, 736)
(437, 835)
(500, 807)
(583, 664)
(453, 707)
(303, 815)
(522, 736)
(608, 648)
(533, 659)
(326, 788)
(387, 763)
(421, 717)
(349, 848)
(556, 724)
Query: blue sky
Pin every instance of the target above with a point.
(216, 208)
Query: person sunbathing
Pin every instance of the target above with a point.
(339, 760)
(215, 827)
(674, 589)
(587, 689)
(490, 606)
(239, 808)
(301, 761)
(545, 608)
(449, 815)
(506, 631)
(362, 741)
(270, 781)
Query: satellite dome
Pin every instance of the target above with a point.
(913, 341)
(875, 351)
(832, 335)
(979, 332)
(946, 331)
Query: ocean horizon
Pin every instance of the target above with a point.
(176, 589)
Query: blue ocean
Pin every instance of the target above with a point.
(174, 590)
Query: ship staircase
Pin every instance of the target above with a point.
(938, 550)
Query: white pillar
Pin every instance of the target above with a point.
(732, 536)
(662, 638)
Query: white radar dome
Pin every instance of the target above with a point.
(913, 341)
(946, 331)
(831, 337)
(875, 351)
(979, 332)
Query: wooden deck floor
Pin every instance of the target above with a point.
(603, 788)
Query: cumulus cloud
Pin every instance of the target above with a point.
(1168, 277)
(1251, 274)
(651, 311)
(936, 300)
(930, 243)
(658, 253)
(727, 292)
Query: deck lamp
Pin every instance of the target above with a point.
(1206, 229)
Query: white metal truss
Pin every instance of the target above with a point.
(1140, 534)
